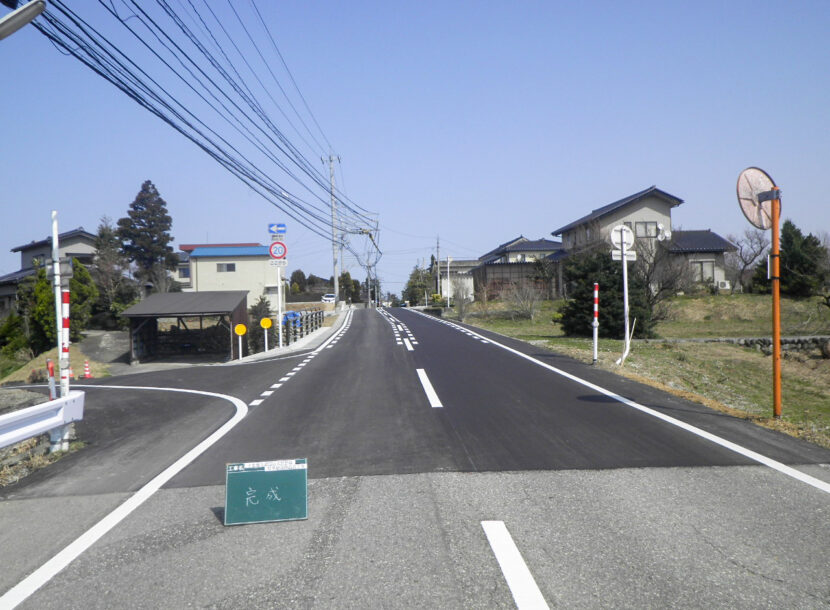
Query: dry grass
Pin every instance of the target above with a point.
(726, 377)
(37, 367)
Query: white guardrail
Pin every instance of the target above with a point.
(53, 417)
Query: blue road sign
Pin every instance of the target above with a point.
(276, 228)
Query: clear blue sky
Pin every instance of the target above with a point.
(475, 121)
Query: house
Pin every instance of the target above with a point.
(648, 215)
(516, 262)
(182, 272)
(458, 281)
(223, 267)
(77, 243)
(704, 251)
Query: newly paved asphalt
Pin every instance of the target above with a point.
(608, 505)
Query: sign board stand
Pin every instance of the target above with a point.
(259, 492)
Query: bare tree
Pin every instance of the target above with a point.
(525, 298)
(751, 248)
(462, 300)
(665, 274)
(483, 295)
(544, 271)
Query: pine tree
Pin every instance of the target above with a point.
(145, 236)
(256, 335)
(580, 273)
(110, 271)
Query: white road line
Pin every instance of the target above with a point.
(26, 587)
(747, 453)
(434, 401)
(256, 402)
(266, 393)
(525, 591)
(276, 385)
(291, 374)
(408, 345)
(284, 379)
(400, 327)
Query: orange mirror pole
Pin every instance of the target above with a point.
(776, 306)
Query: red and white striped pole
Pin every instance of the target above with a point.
(64, 333)
(595, 322)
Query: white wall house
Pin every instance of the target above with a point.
(234, 268)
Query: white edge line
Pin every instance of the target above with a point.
(434, 401)
(522, 585)
(748, 453)
(408, 345)
(26, 587)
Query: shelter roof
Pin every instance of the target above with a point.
(171, 304)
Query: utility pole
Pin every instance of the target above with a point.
(334, 239)
(438, 262)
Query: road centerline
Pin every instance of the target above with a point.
(519, 579)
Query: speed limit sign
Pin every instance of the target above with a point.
(277, 249)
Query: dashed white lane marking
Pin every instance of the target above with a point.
(26, 587)
(276, 385)
(740, 450)
(522, 585)
(256, 402)
(284, 379)
(267, 393)
(408, 345)
(434, 401)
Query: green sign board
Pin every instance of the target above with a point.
(256, 492)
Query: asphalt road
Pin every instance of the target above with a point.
(608, 505)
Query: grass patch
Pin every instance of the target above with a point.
(34, 371)
(12, 474)
(722, 376)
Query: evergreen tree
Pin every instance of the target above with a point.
(419, 283)
(580, 272)
(802, 272)
(115, 290)
(83, 295)
(256, 334)
(298, 277)
(145, 235)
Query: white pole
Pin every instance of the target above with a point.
(449, 284)
(279, 302)
(63, 347)
(595, 322)
(625, 298)
(265, 331)
(240, 346)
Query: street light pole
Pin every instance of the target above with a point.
(20, 17)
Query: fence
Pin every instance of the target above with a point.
(299, 324)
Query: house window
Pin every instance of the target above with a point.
(184, 272)
(225, 267)
(704, 271)
(645, 229)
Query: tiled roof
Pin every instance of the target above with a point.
(15, 277)
(651, 191)
(227, 251)
(494, 252)
(61, 237)
(533, 246)
(699, 241)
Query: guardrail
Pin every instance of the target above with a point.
(53, 417)
(297, 325)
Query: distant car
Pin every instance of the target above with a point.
(327, 298)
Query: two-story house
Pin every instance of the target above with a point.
(77, 243)
(648, 215)
(233, 267)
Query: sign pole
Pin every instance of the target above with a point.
(279, 302)
(776, 305)
(595, 322)
(625, 297)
